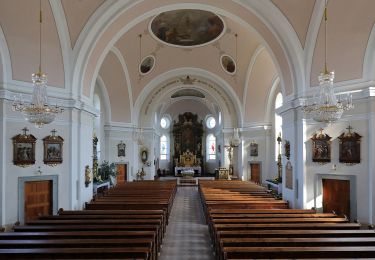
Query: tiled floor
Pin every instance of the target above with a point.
(187, 234)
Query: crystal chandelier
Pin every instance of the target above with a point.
(38, 111)
(327, 107)
(235, 140)
(138, 136)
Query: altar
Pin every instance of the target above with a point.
(187, 170)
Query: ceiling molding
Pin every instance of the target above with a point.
(310, 42)
(64, 38)
(253, 60)
(121, 59)
(5, 58)
(369, 59)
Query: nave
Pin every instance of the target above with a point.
(187, 234)
(219, 219)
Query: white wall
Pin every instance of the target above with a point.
(309, 174)
(265, 152)
(75, 127)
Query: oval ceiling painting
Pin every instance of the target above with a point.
(187, 27)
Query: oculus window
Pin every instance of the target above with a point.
(165, 122)
(210, 122)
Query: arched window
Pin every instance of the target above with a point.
(278, 121)
(211, 147)
(163, 147)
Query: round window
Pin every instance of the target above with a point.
(164, 122)
(210, 122)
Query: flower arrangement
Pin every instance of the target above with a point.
(105, 171)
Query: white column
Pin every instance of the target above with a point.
(294, 132)
(371, 161)
(2, 164)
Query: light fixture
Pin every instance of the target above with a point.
(327, 107)
(38, 111)
(138, 136)
(234, 141)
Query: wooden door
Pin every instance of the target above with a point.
(255, 175)
(336, 196)
(122, 170)
(38, 199)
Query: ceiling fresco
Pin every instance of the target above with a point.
(187, 27)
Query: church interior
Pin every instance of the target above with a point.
(247, 123)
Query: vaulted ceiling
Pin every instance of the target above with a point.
(279, 46)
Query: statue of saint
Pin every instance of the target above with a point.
(87, 175)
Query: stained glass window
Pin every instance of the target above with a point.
(163, 148)
(211, 147)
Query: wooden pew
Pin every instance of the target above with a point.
(81, 243)
(346, 252)
(76, 253)
(78, 227)
(241, 232)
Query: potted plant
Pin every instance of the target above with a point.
(105, 171)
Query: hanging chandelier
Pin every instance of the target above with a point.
(138, 136)
(235, 140)
(38, 111)
(327, 107)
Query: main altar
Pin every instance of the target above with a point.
(188, 165)
(187, 142)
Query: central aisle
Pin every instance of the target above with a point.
(187, 233)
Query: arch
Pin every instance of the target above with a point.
(258, 50)
(64, 37)
(227, 92)
(95, 53)
(369, 59)
(121, 59)
(311, 38)
(271, 97)
(5, 61)
(105, 102)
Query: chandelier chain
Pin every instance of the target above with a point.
(327, 107)
(38, 111)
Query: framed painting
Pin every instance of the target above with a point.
(187, 27)
(24, 149)
(53, 149)
(121, 147)
(147, 64)
(144, 155)
(350, 147)
(228, 64)
(253, 149)
(321, 148)
(289, 175)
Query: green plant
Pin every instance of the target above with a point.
(106, 170)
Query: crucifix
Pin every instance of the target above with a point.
(349, 131)
(25, 130)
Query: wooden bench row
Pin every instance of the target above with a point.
(116, 231)
(251, 229)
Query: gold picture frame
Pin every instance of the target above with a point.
(350, 147)
(53, 149)
(24, 149)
